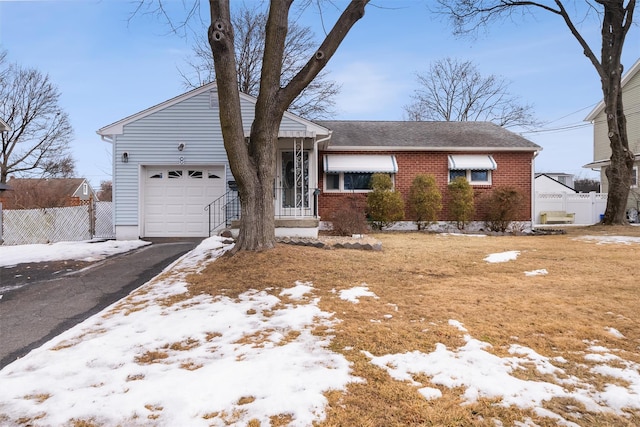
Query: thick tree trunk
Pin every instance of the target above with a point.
(621, 165)
(614, 26)
(257, 222)
(253, 160)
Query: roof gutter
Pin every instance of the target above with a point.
(446, 149)
(106, 138)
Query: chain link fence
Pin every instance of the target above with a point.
(77, 223)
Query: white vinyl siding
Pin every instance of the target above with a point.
(154, 139)
(631, 103)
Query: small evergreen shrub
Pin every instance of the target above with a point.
(350, 218)
(461, 206)
(424, 201)
(384, 205)
(502, 206)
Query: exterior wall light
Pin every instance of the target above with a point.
(125, 157)
(181, 146)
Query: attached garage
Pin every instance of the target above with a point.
(174, 199)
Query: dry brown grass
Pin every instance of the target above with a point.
(423, 280)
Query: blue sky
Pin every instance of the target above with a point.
(108, 66)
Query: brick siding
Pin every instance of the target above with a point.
(514, 169)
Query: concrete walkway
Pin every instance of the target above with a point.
(33, 314)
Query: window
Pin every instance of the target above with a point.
(353, 172)
(634, 177)
(195, 174)
(212, 175)
(476, 168)
(349, 181)
(357, 181)
(175, 174)
(85, 189)
(156, 175)
(475, 177)
(332, 181)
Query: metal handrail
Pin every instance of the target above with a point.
(223, 210)
(226, 209)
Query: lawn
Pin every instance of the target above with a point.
(433, 330)
(587, 302)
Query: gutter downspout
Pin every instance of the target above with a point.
(533, 188)
(315, 154)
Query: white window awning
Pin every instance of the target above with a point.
(471, 162)
(336, 163)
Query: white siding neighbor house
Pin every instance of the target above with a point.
(601, 149)
(169, 165)
(545, 183)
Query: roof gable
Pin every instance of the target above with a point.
(553, 181)
(635, 68)
(435, 136)
(64, 186)
(117, 128)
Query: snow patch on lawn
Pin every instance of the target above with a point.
(502, 256)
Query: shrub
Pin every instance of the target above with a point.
(384, 205)
(502, 206)
(461, 205)
(424, 201)
(350, 218)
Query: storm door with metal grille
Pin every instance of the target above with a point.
(292, 196)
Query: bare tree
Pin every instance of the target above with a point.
(38, 142)
(253, 163)
(253, 160)
(105, 193)
(616, 19)
(316, 101)
(456, 91)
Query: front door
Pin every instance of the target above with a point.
(292, 195)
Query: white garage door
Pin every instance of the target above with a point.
(175, 197)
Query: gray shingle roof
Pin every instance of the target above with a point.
(424, 135)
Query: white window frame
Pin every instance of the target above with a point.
(341, 188)
(468, 174)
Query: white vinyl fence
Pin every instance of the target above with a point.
(29, 226)
(587, 206)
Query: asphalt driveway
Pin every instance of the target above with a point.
(46, 299)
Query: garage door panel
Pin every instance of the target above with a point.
(175, 206)
(194, 210)
(196, 191)
(174, 210)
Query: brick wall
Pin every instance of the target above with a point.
(514, 170)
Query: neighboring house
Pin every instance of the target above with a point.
(549, 183)
(34, 193)
(4, 127)
(561, 177)
(601, 148)
(169, 165)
